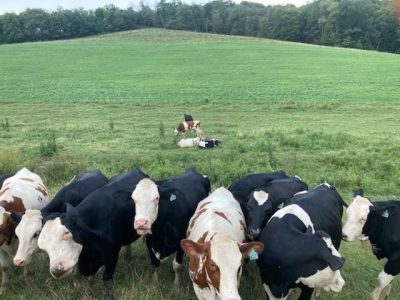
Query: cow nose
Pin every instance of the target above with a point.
(19, 263)
(253, 233)
(344, 237)
(57, 270)
(141, 224)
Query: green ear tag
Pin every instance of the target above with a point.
(385, 214)
(281, 205)
(253, 254)
(172, 198)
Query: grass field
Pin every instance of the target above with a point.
(112, 101)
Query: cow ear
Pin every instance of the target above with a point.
(122, 195)
(383, 211)
(71, 212)
(359, 192)
(170, 194)
(16, 216)
(334, 262)
(248, 249)
(192, 248)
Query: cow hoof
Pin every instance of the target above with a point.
(317, 292)
(3, 290)
(154, 278)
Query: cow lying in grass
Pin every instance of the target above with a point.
(208, 144)
(185, 143)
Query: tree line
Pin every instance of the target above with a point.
(363, 24)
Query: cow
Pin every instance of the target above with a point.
(186, 143)
(163, 213)
(264, 202)
(242, 188)
(24, 190)
(302, 241)
(215, 246)
(188, 126)
(378, 223)
(92, 233)
(187, 117)
(207, 144)
(30, 223)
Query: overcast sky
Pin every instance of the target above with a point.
(50, 5)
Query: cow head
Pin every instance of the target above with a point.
(58, 240)
(357, 215)
(328, 278)
(146, 197)
(259, 210)
(218, 263)
(27, 231)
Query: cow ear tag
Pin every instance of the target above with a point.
(253, 254)
(172, 198)
(280, 205)
(385, 214)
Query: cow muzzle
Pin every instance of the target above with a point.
(59, 270)
(253, 234)
(142, 227)
(19, 263)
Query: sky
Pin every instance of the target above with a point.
(51, 5)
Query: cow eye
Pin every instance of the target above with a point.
(363, 221)
(36, 234)
(213, 265)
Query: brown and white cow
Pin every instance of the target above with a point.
(215, 246)
(188, 126)
(24, 190)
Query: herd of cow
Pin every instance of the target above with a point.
(292, 232)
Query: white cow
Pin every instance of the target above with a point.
(24, 190)
(185, 143)
(215, 246)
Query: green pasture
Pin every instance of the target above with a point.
(111, 103)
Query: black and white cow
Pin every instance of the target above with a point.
(30, 222)
(163, 213)
(378, 222)
(264, 202)
(92, 234)
(187, 117)
(208, 144)
(301, 241)
(242, 188)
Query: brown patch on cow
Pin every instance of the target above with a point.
(181, 127)
(196, 217)
(2, 192)
(7, 229)
(204, 204)
(16, 205)
(27, 179)
(242, 224)
(42, 189)
(221, 214)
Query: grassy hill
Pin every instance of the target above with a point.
(111, 102)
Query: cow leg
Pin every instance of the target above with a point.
(177, 266)
(77, 277)
(4, 270)
(128, 252)
(27, 274)
(109, 273)
(89, 286)
(383, 283)
(155, 263)
(306, 292)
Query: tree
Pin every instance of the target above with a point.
(12, 29)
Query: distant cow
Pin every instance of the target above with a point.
(24, 190)
(378, 222)
(209, 144)
(216, 248)
(186, 143)
(242, 188)
(264, 202)
(30, 224)
(163, 213)
(92, 234)
(188, 126)
(187, 117)
(302, 241)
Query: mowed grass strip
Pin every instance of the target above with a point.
(158, 65)
(112, 102)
